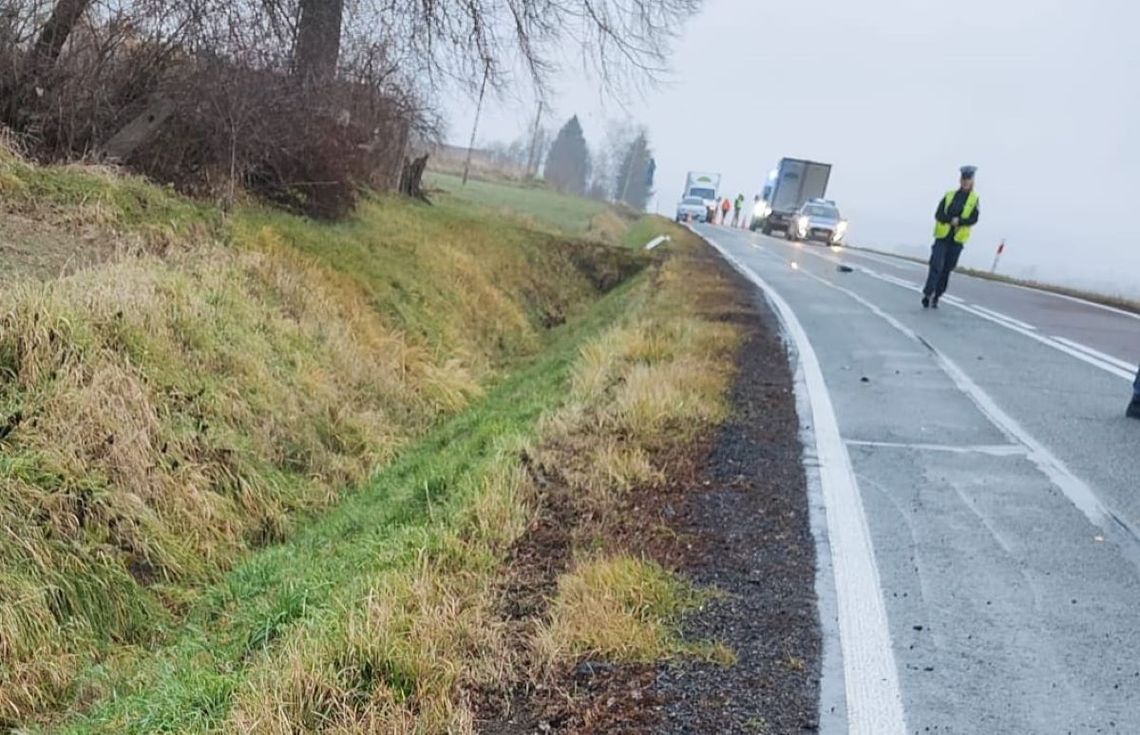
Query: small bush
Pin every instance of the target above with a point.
(205, 101)
(619, 608)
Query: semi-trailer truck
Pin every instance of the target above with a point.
(792, 184)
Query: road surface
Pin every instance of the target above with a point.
(981, 493)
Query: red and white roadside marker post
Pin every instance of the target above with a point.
(997, 256)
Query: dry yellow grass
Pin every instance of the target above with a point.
(176, 412)
(172, 412)
(170, 420)
(409, 648)
(615, 608)
(623, 609)
(607, 227)
(399, 661)
(654, 381)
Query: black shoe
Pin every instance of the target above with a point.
(925, 302)
(934, 303)
(1133, 411)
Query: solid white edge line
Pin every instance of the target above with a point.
(874, 701)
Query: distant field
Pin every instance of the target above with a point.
(543, 206)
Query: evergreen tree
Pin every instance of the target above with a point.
(568, 162)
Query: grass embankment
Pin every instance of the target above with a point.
(543, 208)
(386, 615)
(167, 413)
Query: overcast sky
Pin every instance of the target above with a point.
(1041, 95)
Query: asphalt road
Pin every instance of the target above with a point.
(982, 496)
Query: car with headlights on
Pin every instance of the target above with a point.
(692, 208)
(818, 220)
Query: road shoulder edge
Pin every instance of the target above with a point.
(872, 697)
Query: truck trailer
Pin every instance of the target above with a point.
(793, 183)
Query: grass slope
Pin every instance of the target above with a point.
(407, 511)
(536, 203)
(186, 403)
(382, 615)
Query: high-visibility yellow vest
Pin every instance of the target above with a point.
(962, 234)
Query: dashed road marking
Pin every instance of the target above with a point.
(994, 450)
(1124, 534)
(1122, 364)
(1111, 365)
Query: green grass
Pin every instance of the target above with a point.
(537, 203)
(87, 196)
(193, 407)
(645, 229)
(188, 685)
(452, 274)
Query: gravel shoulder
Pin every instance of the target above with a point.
(733, 516)
(750, 516)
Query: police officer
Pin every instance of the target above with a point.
(957, 213)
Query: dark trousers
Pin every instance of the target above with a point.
(944, 256)
(1136, 387)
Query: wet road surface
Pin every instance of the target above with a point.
(985, 552)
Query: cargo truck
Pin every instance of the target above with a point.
(793, 183)
(704, 187)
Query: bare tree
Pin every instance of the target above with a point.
(204, 94)
(318, 39)
(55, 32)
(624, 41)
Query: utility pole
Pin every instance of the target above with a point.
(475, 125)
(531, 158)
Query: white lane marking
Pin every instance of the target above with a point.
(1005, 317)
(874, 701)
(1075, 489)
(994, 317)
(1059, 346)
(886, 259)
(1066, 297)
(1083, 354)
(994, 450)
(1034, 289)
(1122, 364)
